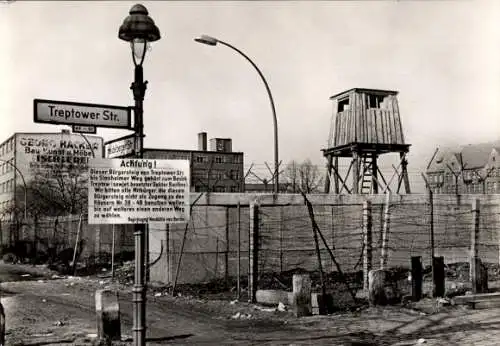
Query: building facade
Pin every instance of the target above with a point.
(24, 155)
(471, 169)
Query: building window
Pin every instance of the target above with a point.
(374, 101)
(343, 105)
(219, 159)
(234, 189)
(200, 159)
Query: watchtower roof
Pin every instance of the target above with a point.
(364, 90)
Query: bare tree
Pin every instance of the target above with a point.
(303, 177)
(58, 191)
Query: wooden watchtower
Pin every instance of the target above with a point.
(365, 124)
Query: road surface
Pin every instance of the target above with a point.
(59, 311)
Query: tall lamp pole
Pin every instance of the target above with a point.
(139, 29)
(212, 41)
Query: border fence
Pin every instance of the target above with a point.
(258, 241)
(263, 239)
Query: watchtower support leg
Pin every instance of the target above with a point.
(374, 174)
(355, 173)
(328, 173)
(404, 164)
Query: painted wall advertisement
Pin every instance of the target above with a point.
(50, 152)
(138, 191)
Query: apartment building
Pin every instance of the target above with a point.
(467, 169)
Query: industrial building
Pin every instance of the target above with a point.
(214, 169)
(23, 155)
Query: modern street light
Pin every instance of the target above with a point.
(212, 41)
(139, 29)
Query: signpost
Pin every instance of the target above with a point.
(120, 147)
(86, 114)
(84, 129)
(138, 191)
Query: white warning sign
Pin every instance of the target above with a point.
(138, 191)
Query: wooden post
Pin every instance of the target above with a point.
(355, 174)
(112, 251)
(253, 252)
(431, 227)
(302, 295)
(281, 239)
(226, 252)
(238, 273)
(385, 230)
(168, 254)
(438, 276)
(216, 257)
(73, 263)
(475, 265)
(367, 239)
(416, 278)
(97, 245)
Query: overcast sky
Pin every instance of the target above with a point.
(442, 56)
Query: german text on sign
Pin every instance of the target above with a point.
(75, 113)
(138, 191)
(120, 147)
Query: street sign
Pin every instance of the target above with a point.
(138, 191)
(76, 113)
(84, 129)
(120, 147)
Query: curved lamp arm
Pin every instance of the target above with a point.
(211, 41)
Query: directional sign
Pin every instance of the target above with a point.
(75, 113)
(120, 147)
(83, 129)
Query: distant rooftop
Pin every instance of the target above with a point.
(376, 91)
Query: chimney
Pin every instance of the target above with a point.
(202, 141)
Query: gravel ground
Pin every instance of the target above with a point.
(47, 309)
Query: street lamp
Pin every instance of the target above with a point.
(139, 29)
(212, 41)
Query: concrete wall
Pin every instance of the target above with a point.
(286, 239)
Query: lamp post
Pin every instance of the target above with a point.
(212, 41)
(139, 29)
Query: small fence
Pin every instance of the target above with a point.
(263, 240)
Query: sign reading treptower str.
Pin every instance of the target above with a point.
(125, 191)
(76, 113)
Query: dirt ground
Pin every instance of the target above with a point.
(47, 309)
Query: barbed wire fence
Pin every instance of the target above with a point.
(223, 243)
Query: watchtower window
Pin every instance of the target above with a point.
(343, 105)
(374, 101)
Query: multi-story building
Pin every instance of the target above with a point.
(217, 170)
(472, 169)
(25, 154)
